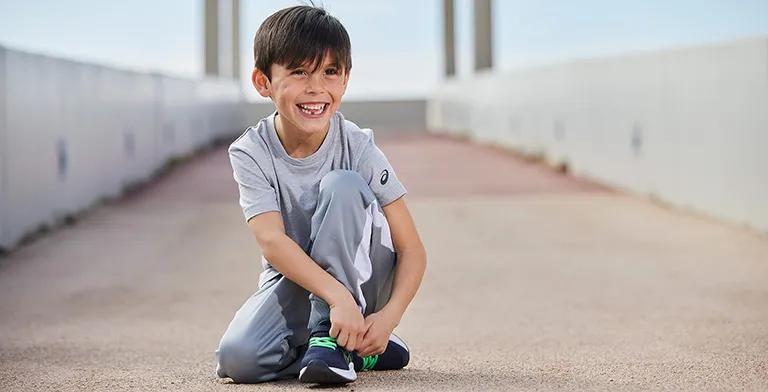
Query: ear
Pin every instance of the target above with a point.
(261, 83)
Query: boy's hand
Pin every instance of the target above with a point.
(347, 325)
(379, 326)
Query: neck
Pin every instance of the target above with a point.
(296, 143)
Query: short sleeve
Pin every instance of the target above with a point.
(257, 196)
(376, 170)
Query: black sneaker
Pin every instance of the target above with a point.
(325, 362)
(395, 357)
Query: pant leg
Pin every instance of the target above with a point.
(350, 239)
(267, 337)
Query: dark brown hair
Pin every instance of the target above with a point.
(298, 35)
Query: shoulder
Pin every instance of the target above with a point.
(253, 141)
(250, 152)
(357, 138)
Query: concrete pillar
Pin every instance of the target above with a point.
(222, 38)
(212, 37)
(236, 39)
(483, 35)
(449, 38)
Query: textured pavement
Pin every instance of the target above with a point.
(535, 281)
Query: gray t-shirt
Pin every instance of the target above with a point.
(271, 180)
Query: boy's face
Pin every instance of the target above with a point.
(305, 97)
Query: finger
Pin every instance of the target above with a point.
(365, 351)
(359, 335)
(361, 347)
(362, 326)
(342, 339)
(374, 346)
(369, 346)
(365, 340)
(351, 342)
(368, 322)
(370, 330)
(334, 332)
(362, 340)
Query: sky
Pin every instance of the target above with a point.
(396, 44)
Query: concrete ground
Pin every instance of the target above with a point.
(535, 282)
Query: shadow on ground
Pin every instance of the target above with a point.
(408, 379)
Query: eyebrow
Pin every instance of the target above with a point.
(309, 66)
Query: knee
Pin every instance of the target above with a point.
(246, 361)
(343, 183)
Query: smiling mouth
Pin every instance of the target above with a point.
(312, 109)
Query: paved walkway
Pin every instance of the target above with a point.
(535, 282)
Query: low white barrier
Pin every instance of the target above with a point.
(687, 126)
(73, 133)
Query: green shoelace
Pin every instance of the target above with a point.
(370, 362)
(327, 342)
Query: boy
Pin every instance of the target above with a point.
(328, 213)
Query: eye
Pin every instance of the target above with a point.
(298, 72)
(331, 71)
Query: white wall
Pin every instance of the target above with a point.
(3, 128)
(73, 133)
(689, 126)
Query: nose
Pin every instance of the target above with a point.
(314, 84)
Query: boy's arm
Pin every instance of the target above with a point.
(409, 270)
(411, 257)
(291, 261)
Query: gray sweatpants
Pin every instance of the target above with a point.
(350, 239)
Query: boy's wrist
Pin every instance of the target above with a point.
(339, 296)
(394, 311)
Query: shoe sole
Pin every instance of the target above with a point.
(318, 372)
(399, 341)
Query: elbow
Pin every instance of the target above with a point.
(420, 252)
(417, 253)
(269, 245)
(419, 259)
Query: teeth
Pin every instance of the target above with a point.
(312, 109)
